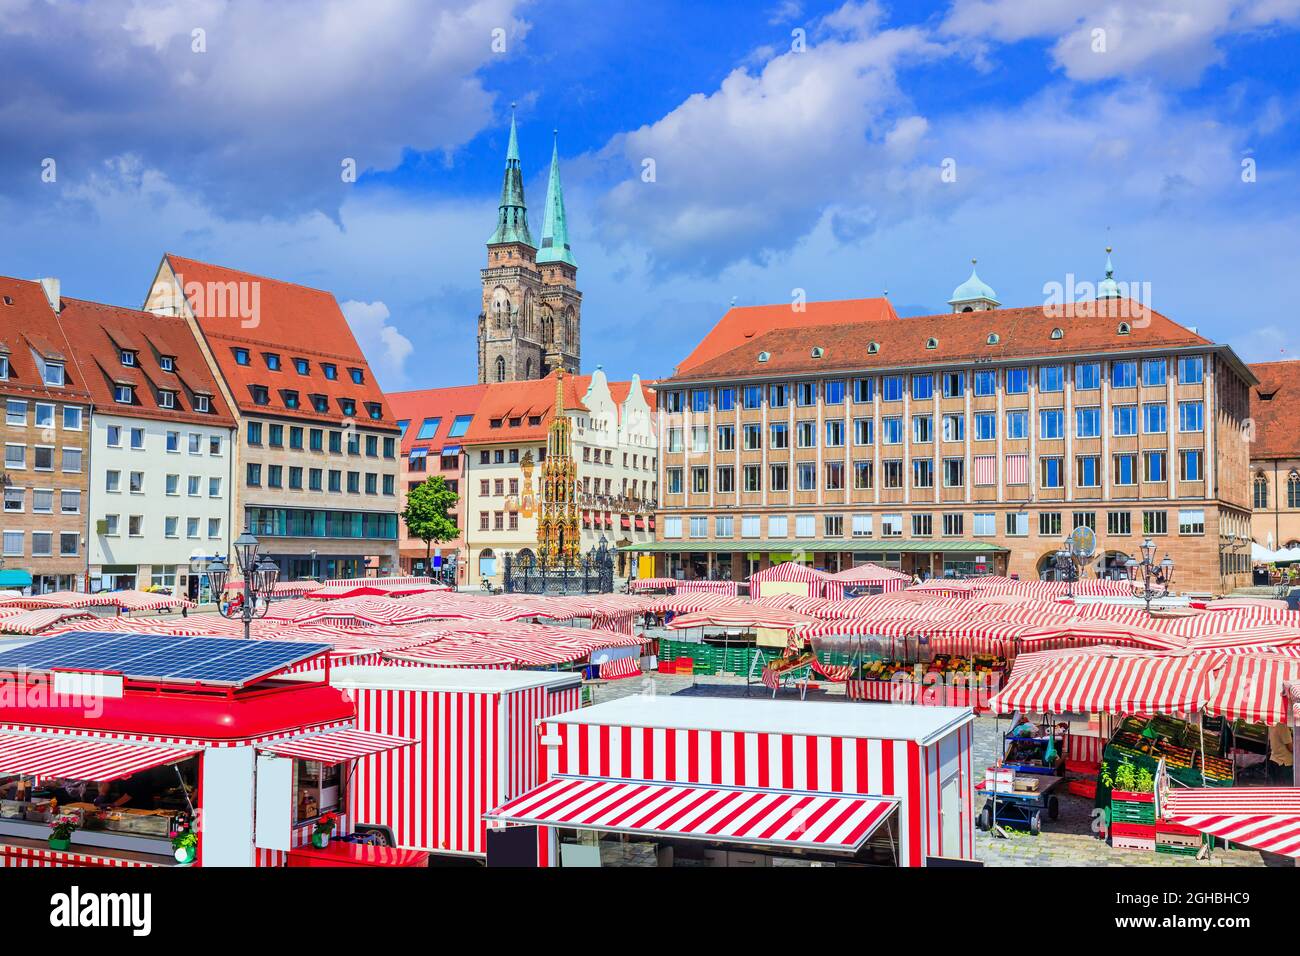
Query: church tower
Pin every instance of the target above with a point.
(529, 325)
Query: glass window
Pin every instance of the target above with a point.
(1154, 417)
(317, 789)
(986, 426)
(1191, 416)
(1087, 422)
(1051, 423)
(1051, 378)
(835, 392)
(1017, 424)
(891, 388)
(986, 382)
(752, 396)
(1087, 376)
(1125, 420)
(864, 390)
(428, 428)
(1191, 370)
(1154, 372)
(922, 387)
(1123, 374)
(1017, 381)
(700, 400)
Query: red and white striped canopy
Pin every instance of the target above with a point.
(336, 746)
(822, 821)
(82, 758)
(1253, 687)
(1110, 683)
(790, 571)
(1266, 818)
(33, 622)
(742, 615)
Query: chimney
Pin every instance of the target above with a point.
(51, 288)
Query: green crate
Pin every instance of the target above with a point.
(1173, 850)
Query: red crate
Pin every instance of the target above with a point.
(1083, 788)
(1085, 767)
(1141, 831)
(1177, 829)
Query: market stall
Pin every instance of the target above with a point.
(790, 577)
(827, 783)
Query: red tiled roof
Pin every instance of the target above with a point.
(444, 404)
(294, 321)
(743, 324)
(961, 337)
(99, 333)
(504, 401)
(1275, 409)
(28, 324)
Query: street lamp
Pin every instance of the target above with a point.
(1065, 567)
(260, 576)
(1151, 572)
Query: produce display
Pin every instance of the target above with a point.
(1142, 742)
(782, 665)
(947, 664)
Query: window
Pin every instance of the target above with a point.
(1017, 524)
(358, 377)
(275, 477)
(699, 481)
(202, 403)
(1051, 378)
(833, 526)
(1119, 523)
(1088, 471)
(44, 417)
(750, 526)
(893, 473)
(254, 436)
(135, 482)
(922, 387)
(891, 388)
(674, 436)
(753, 437)
(1125, 420)
(953, 384)
(14, 498)
(922, 428)
(241, 356)
(724, 526)
(699, 439)
(864, 390)
(1153, 466)
(805, 526)
(1087, 376)
(985, 524)
(1049, 524)
(725, 480)
(922, 526)
(1191, 416)
(986, 426)
(954, 428)
(137, 439)
(834, 476)
(726, 438)
(124, 394)
(1155, 522)
(985, 470)
(43, 458)
(1017, 381)
(331, 370)
(672, 525)
(173, 483)
(196, 442)
(52, 374)
(302, 366)
(954, 472)
(1051, 472)
(1125, 470)
(806, 393)
(1154, 418)
(986, 383)
(1155, 372)
(778, 396)
(72, 418)
(113, 480)
(864, 431)
(891, 431)
(1123, 374)
(15, 412)
(135, 526)
(253, 475)
(700, 400)
(699, 527)
(1293, 490)
(69, 544)
(13, 543)
(1190, 465)
(170, 523)
(1191, 521)
(806, 434)
(673, 478)
(70, 502)
(42, 544)
(834, 433)
(1017, 424)
(166, 398)
(1191, 370)
(863, 475)
(726, 399)
(806, 474)
(752, 396)
(1087, 422)
(922, 473)
(214, 527)
(1051, 423)
(891, 526)
(459, 425)
(778, 526)
(272, 361)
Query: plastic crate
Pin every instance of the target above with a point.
(1174, 850)
(1121, 816)
(1141, 831)
(1132, 843)
(1082, 788)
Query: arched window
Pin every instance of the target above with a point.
(1058, 334)
(1261, 492)
(501, 369)
(993, 339)
(528, 369)
(1293, 491)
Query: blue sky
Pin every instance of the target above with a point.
(1071, 125)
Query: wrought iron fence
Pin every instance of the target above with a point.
(593, 573)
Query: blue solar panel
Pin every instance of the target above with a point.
(209, 660)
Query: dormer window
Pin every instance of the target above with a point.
(375, 410)
(9, 300)
(166, 398)
(127, 357)
(764, 356)
(290, 398)
(331, 371)
(4, 367)
(358, 377)
(320, 403)
(931, 343)
(873, 348)
(53, 374)
(124, 394)
(516, 422)
(241, 356)
(1124, 328)
(302, 366)
(167, 363)
(1057, 334)
(261, 395)
(272, 361)
(202, 403)
(818, 351)
(349, 406)
(993, 339)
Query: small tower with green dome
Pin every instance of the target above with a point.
(1108, 288)
(973, 295)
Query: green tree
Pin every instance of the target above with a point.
(428, 513)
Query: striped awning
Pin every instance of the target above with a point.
(1108, 680)
(1266, 818)
(336, 746)
(825, 821)
(1253, 687)
(82, 758)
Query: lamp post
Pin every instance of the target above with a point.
(260, 577)
(1149, 570)
(1065, 568)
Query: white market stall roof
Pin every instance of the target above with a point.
(786, 818)
(805, 718)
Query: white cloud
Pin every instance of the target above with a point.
(385, 348)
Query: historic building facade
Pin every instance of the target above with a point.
(531, 323)
(558, 539)
(1275, 455)
(966, 442)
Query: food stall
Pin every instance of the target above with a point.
(124, 749)
(474, 747)
(636, 781)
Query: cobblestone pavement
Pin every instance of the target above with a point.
(1066, 841)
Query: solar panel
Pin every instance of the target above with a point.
(208, 660)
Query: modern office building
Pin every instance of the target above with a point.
(316, 458)
(966, 442)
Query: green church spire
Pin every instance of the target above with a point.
(555, 227)
(512, 214)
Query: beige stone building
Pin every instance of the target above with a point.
(962, 443)
(1275, 455)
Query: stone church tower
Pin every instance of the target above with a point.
(531, 323)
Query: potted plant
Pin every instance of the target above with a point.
(320, 838)
(185, 842)
(61, 828)
(1132, 784)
